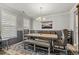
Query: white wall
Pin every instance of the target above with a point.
(72, 16)
(60, 21)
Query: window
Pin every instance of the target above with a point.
(8, 25)
(26, 24)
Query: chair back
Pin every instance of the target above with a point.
(59, 33)
(26, 31)
(65, 32)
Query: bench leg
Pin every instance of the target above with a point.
(50, 47)
(34, 47)
(24, 45)
(48, 50)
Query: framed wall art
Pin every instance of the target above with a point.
(46, 24)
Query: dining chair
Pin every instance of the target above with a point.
(61, 42)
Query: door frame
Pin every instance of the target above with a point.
(78, 27)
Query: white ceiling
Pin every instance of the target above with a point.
(33, 9)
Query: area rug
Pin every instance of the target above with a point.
(18, 49)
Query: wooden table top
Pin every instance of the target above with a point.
(42, 35)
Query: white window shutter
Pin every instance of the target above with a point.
(8, 25)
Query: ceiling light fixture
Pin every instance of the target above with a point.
(40, 18)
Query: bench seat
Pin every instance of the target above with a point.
(39, 43)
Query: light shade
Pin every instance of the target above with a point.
(40, 19)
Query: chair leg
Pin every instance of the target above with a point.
(65, 50)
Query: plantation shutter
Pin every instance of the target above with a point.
(8, 25)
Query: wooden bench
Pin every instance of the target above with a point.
(38, 43)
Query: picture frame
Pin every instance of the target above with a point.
(47, 24)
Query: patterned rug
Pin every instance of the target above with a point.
(2, 52)
(18, 49)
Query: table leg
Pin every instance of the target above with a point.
(53, 46)
(23, 43)
(34, 47)
(50, 47)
